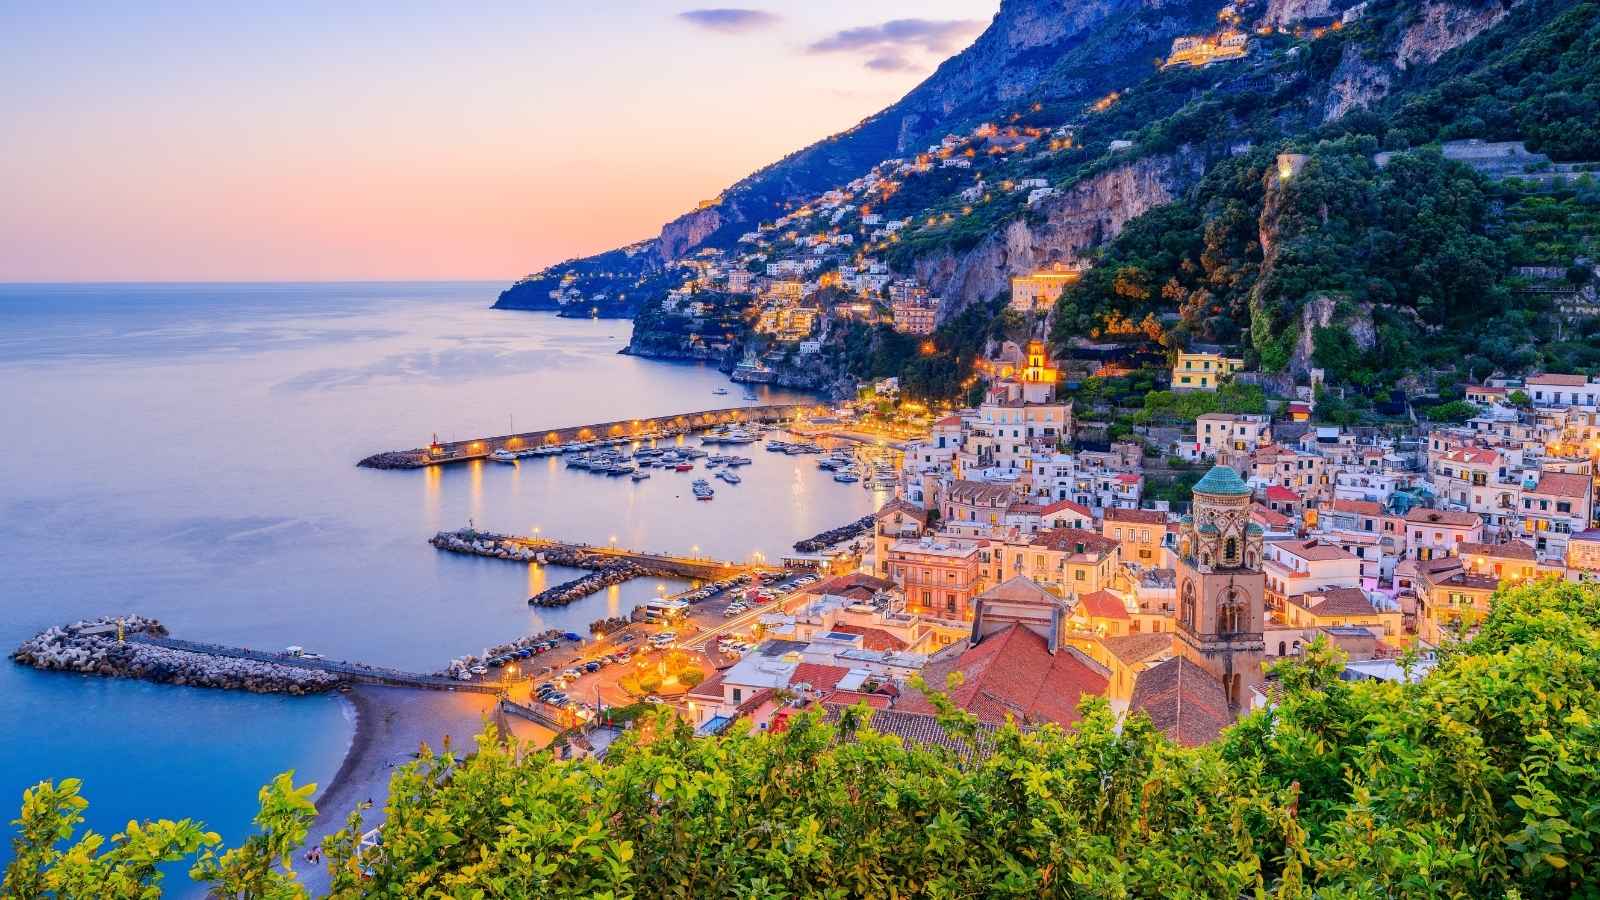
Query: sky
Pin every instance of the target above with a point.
(314, 141)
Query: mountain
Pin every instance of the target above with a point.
(1081, 48)
(1400, 193)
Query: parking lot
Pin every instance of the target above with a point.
(716, 630)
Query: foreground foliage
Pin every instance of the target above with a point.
(1481, 780)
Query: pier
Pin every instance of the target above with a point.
(444, 453)
(585, 556)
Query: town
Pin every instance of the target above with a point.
(1038, 568)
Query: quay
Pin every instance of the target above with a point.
(358, 673)
(443, 453)
(585, 556)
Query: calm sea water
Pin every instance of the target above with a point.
(188, 451)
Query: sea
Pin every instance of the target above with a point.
(187, 451)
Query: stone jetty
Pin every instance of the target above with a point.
(835, 535)
(607, 568)
(91, 647)
(592, 583)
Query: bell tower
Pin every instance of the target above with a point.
(1221, 588)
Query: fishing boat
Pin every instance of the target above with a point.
(845, 477)
(739, 461)
(503, 455)
(684, 466)
(702, 489)
(720, 391)
(729, 477)
(639, 476)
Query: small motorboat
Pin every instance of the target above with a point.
(845, 478)
(503, 455)
(729, 477)
(640, 475)
(720, 391)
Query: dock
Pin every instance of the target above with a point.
(586, 556)
(444, 453)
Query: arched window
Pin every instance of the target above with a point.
(1282, 648)
(1188, 609)
(1230, 551)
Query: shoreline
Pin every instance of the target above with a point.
(391, 725)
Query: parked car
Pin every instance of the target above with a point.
(654, 699)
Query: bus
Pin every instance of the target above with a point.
(662, 610)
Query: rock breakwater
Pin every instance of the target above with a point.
(835, 535)
(91, 647)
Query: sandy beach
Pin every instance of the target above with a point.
(391, 724)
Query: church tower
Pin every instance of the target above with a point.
(1221, 588)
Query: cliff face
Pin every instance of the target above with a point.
(1443, 26)
(1357, 83)
(1061, 229)
(686, 232)
(1287, 12)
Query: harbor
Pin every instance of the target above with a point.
(579, 438)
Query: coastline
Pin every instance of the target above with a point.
(391, 724)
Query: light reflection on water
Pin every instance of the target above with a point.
(188, 452)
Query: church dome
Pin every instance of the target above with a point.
(1222, 481)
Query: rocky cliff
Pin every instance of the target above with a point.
(1061, 229)
(1444, 25)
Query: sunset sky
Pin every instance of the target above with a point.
(193, 142)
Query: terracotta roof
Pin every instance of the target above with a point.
(947, 421)
(851, 698)
(1013, 672)
(1270, 517)
(1337, 602)
(711, 687)
(1182, 700)
(1560, 484)
(1470, 581)
(820, 677)
(1558, 380)
(1280, 493)
(1136, 648)
(1129, 478)
(1509, 550)
(856, 586)
(1061, 505)
(1137, 516)
(1448, 517)
(1102, 605)
(1068, 540)
(1021, 589)
(980, 492)
(873, 638)
(1360, 507)
(1024, 508)
(904, 507)
(1473, 456)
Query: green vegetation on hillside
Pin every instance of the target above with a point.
(1481, 780)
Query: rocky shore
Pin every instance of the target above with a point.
(833, 536)
(91, 647)
(592, 583)
(409, 459)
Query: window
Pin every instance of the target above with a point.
(738, 694)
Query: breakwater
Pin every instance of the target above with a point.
(440, 453)
(91, 647)
(584, 556)
(606, 567)
(833, 536)
(592, 583)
